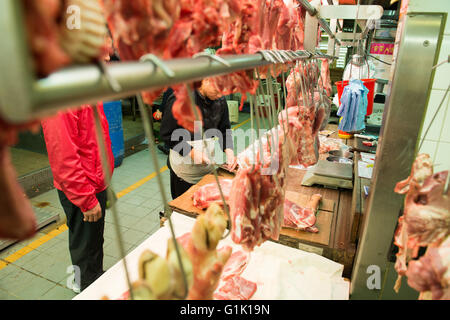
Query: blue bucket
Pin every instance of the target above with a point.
(113, 113)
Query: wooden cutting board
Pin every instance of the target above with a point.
(183, 204)
(323, 223)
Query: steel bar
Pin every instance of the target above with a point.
(323, 23)
(399, 137)
(79, 85)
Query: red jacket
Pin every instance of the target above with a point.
(74, 154)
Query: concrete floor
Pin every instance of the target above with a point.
(39, 267)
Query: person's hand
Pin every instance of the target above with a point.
(157, 115)
(231, 159)
(93, 215)
(199, 157)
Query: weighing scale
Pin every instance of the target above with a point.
(330, 174)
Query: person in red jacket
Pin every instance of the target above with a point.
(75, 161)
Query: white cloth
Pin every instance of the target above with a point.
(186, 169)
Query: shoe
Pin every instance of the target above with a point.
(161, 214)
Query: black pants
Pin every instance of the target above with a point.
(177, 185)
(85, 239)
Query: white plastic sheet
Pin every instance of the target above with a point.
(280, 272)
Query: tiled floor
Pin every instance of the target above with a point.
(42, 272)
(25, 161)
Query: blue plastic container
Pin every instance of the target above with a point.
(113, 113)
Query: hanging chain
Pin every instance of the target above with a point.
(434, 117)
(110, 194)
(167, 210)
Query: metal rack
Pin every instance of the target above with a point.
(323, 23)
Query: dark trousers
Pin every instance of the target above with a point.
(85, 239)
(177, 185)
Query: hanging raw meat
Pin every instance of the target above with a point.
(426, 217)
(302, 137)
(298, 34)
(207, 262)
(53, 43)
(325, 75)
(241, 37)
(162, 278)
(17, 218)
(210, 193)
(256, 206)
(431, 273)
(285, 27)
(182, 108)
(141, 27)
(43, 35)
(200, 26)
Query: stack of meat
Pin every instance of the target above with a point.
(425, 222)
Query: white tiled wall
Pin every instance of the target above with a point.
(437, 141)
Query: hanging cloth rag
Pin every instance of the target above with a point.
(353, 106)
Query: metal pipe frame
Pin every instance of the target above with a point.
(403, 117)
(323, 23)
(24, 98)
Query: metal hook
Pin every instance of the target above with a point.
(158, 63)
(267, 56)
(277, 56)
(113, 83)
(286, 55)
(212, 57)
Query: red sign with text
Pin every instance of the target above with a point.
(382, 48)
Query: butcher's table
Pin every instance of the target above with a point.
(335, 219)
(280, 272)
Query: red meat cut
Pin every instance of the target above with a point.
(210, 193)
